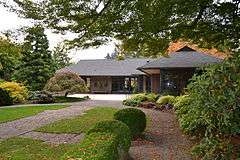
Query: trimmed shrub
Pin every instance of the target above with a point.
(95, 146)
(166, 100)
(17, 91)
(41, 97)
(5, 98)
(66, 82)
(135, 119)
(119, 129)
(136, 99)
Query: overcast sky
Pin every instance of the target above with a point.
(10, 21)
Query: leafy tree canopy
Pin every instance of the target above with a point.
(10, 54)
(145, 27)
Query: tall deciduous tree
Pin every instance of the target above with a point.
(60, 56)
(10, 54)
(144, 26)
(36, 64)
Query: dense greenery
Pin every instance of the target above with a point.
(10, 114)
(95, 146)
(135, 119)
(136, 99)
(212, 109)
(5, 98)
(66, 82)
(119, 129)
(10, 54)
(82, 123)
(145, 27)
(17, 91)
(36, 63)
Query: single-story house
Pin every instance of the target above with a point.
(170, 73)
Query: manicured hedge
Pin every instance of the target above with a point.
(134, 118)
(121, 130)
(136, 99)
(107, 140)
(95, 146)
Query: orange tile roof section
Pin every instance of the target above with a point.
(174, 46)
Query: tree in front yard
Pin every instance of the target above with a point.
(66, 82)
(36, 64)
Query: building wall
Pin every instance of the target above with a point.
(101, 85)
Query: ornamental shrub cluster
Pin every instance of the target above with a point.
(5, 98)
(211, 111)
(136, 99)
(66, 82)
(110, 139)
(166, 100)
(17, 91)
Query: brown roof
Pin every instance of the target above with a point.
(175, 46)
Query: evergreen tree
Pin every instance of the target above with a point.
(60, 56)
(36, 66)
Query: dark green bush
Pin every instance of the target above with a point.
(119, 129)
(135, 119)
(131, 102)
(5, 98)
(95, 146)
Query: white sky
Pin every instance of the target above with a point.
(10, 21)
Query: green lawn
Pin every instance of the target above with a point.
(10, 114)
(28, 149)
(80, 124)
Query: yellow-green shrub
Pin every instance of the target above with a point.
(166, 100)
(17, 91)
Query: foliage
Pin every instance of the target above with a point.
(166, 100)
(60, 57)
(212, 110)
(66, 82)
(63, 99)
(143, 27)
(135, 119)
(10, 54)
(5, 98)
(41, 97)
(181, 101)
(136, 99)
(17, 91)
(117, 128)
(82, 123)
(14, 113)
(36, 64)
(95, 146)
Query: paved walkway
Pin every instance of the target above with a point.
(28, 124)
(163, 139)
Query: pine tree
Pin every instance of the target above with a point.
(36, 66)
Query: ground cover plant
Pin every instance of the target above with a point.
(10, 114)
(81, 123)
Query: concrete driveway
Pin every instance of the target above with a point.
(109, 97)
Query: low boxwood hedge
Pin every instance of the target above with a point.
(95, 146)
(134, 118)
(106, 140)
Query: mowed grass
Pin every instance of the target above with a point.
(10, 114)
(80, 124)
(28, 149)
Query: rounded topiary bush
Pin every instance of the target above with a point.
(135, 119)
(5, 98)
(166, 100)
(119, 129)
